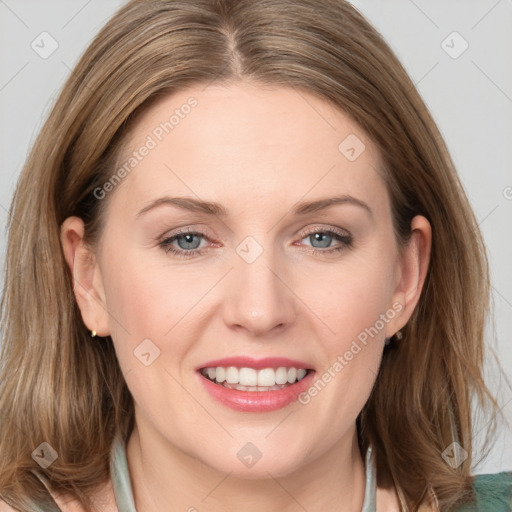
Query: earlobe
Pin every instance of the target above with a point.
(86, 275)
(414, 263)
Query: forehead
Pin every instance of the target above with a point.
(243, 138)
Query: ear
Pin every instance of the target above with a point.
(414, 260)
(87, 280)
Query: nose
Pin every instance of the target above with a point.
(258, 299)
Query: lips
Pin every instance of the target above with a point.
(255, 385)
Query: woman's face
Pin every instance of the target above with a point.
(290, 254)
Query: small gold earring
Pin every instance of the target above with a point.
(93, 334)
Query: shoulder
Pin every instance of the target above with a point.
(496, 488)
(493, 493)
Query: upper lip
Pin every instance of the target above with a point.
(250, 362)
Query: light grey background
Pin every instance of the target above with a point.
(470, 97)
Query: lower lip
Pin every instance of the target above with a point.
(257, 401)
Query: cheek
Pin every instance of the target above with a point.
(146, 296)
(353, 298)
(148, 308)
(137, 305)
(354, 304)
(153, 301)
(354, 309)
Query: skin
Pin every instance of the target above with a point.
(258, 151)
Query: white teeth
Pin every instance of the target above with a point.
(254, 388)
(292, 375)
(251, 379)
(301, 373)
(219, 374)
(281, 375)
(232, 375)
(266, 377)
(248, 377)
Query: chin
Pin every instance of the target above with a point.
(250, 463)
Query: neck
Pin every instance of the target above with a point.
(165, 478)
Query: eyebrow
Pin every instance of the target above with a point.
(212, 208)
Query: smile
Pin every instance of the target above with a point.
(251, 379)
(245, 384)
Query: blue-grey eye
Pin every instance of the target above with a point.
(323, 239)
(187, 241)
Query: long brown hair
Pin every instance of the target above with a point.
(57, 385)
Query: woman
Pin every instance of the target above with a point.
(164, 344)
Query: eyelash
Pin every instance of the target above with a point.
(168, 248)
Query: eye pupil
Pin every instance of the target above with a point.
(324, 239)
(189, 242)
